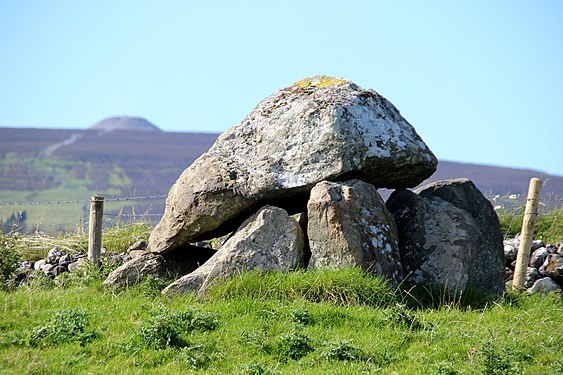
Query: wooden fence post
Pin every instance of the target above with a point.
(95, 229)
(527, 234)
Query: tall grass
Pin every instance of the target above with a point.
(36, 246)
(549, 225)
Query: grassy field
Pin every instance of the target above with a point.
(305, 322)
(337, 322)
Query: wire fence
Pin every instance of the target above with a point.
(64, 215)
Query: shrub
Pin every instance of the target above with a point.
(169, 328)
(302, 316)
(66, 326)
(496, 361)
(9, 261)
(255, 368)
(195, 357)
(343, 350)
(293, 346)
(402, 316)
(256, 340)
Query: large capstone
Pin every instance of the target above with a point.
(320, 128)
(349, 225)
(268, 240)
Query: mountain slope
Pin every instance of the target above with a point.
(51, 164)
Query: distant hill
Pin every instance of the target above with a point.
(125, 123)
(51, 164)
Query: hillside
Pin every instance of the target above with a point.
(54, 165)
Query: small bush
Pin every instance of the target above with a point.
(166, 328)
(402, 316)
(443, 368)
(9, 261)
(195, 357)
(293, 346)
(497, 361)
(302, 316)
(343, 350)
(255, 368)
(256, 340)
(67, 326)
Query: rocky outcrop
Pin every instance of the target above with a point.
(268, 240)
(320, 128)
(349, 225)
(437, 240)
(487, 272)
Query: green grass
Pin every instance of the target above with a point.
(549, 225)
(306, 322)
(281, 328)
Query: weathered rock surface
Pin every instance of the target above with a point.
(320, 128)
(166, 265)
(531, 276)
(553, 267)
(437, 240)
(131, 272)
(268, 240)
(510, 250)
(488, 271)
(544, 285)
(349, 225)
(538, 257)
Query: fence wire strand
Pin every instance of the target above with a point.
(115, 199)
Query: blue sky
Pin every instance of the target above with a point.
(481, 81)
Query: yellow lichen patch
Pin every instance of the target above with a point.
(321, 81)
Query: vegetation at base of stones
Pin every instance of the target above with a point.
(97, 330)
(344, 287)
(26, 257)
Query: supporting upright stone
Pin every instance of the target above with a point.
(349, 225)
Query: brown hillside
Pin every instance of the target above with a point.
(154, 160)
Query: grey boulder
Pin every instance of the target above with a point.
(268, 240)
(349, 225)
(538, 257)
(437, 240)
(487, 272)
(131, 272)
(544, 285)
(143, 264)
(320, 128)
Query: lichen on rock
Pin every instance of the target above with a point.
(320, 128)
